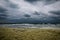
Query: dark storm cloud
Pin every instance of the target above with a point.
(31, 0)
(55, 12)
(29, 11)
(27, 15)
(36, 13)
(55, 20)
(51, 1)
(6, 8)
(2, 10)
(56, 16)
(3, 15)
(46, 2)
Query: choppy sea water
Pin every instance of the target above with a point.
(30, 25)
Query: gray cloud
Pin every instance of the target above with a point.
(13, 5)
(36, 12)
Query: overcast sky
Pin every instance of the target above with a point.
(30, 11)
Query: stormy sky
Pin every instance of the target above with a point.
(30, 11)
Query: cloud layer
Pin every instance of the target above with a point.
(29, 11)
